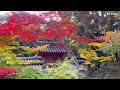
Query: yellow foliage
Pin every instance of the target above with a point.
(95, 44)
(113, 37)
(105, 44)
(105, 58)
(91, 55)
(38, 48)
(88, 54)
(87, 63)
(23, 63)
(108, 33)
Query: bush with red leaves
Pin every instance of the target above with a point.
(5, 71)
(85, 39)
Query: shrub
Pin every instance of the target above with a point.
(29, 73)
(65, 70)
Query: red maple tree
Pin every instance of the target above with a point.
(27, 27)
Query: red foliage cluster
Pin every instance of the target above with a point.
(22, 24)
(26, 26)
(5, 71)
(60, 29)
(6, 29)
(22, 18)
(57, 29)
(61, 14)
(101, 38)
(85, 39)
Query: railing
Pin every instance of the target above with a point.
(28, 59)
(75, 60)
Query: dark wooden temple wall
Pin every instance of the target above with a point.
(51, 57)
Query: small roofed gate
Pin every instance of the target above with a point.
(55, 52)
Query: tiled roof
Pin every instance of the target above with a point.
(55, 47)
